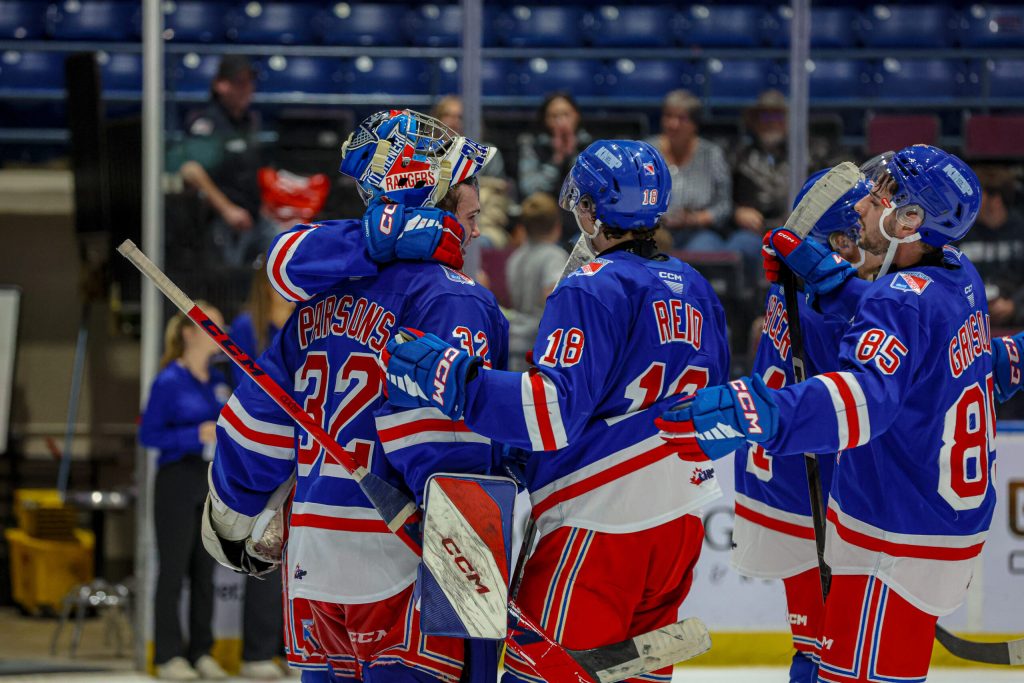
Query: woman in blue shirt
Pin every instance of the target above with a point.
(180, 420)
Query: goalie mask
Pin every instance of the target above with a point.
(410, 158)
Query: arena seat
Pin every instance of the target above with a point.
(21, 20)
(907, 26)
(920, 79)
(434, 25)
(832, 79)
(93, 20)
(632, 26)
(654, 77)
(121, 72)
(279, 74)
(194, 21)
(896, 131)
(994, 136)
(993, 26)
(364, 75)
(40, 71)
(541, 26)
(743, 78)
(1004, 77)
(192, 73)
(721, 26)
(287, 23)
(581, 77)
(499, 77)
(359, 23)
(830, 26)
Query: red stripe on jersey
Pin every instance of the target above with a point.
(924, 552)
(275, 440)
(540, 407)
(376, 526)
(852, 416)
(282, 257)
(767, 522)
(420, 426)
(635, 463)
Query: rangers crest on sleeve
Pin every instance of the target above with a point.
(456, 276)
(591, 268)
(911, 281)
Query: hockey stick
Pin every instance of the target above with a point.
(581, 254)
(78, 369)
(549, 659)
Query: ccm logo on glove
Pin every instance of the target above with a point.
(387, 219)
(464, 565)
(747, 405)
(441, 375)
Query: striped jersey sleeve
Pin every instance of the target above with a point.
(309, 259)
(1006, 361)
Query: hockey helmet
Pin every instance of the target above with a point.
(841, 216)
(625, 182)
(409, 157)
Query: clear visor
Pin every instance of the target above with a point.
(569, 197)
(881, 183)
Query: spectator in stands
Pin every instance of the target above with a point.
(701, 205)
(448, 110)
(761, 170)
(181, 421)
(996, 246)
(532, 273)
(223, 158)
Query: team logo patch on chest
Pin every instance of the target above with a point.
(911, 281)
(591, 268)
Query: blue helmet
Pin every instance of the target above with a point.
(409, 157)
(841, 217)
(936, 186)
(626, 181)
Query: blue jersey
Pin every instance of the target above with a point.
(244, 335)
(618, 339)
(774, 532)
(1007, 354)
(915, 389)
(339, 549)
(178, 403)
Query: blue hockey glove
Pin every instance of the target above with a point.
(394, 231)
(425, 371)
(1006, 365)
(821, 270)
(716, 421)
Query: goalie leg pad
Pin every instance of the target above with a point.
(467, 547)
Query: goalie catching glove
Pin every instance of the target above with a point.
(716, 421)
(821, 270)
(394, 231)
(425, 371)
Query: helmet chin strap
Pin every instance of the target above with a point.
(588, 237)
(894, 242)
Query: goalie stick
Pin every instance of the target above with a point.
(549, 659)
(811, 208)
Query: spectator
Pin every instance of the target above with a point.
(701, 203)
(532, 273)
(996, 246)
(448, 110)
(181, 420)
(761, 169)
(223, 157)
(546, 157)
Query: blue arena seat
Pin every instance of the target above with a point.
(434, 25)
(721, 25)
(391, 75)
(299, 74)
(195, 21)
(93, 20)
(286, 23)
(743, 78)
(31, 71)
(192, 73)
(541, 26)
(121, 72)
(920, 79)
(994, 26)
(581, 77)
(21, 20)
(907, 26)
(830, 26)
(840, 79)
(653, 77)
(499, 77)
(1004, 77)
(367, 24)
(632, 25)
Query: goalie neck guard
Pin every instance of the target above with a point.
(409, 157)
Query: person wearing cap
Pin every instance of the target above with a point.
(223, 157)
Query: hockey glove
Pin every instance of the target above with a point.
(821, 270)
(770, 260)
(718, 420)
(1006, 362)
(257, 552)
(425, 371)
(394, 231)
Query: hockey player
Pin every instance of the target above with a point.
(773, 536)
(910, 509)
(614, 508)
(355, 574)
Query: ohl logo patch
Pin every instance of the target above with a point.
(911, 281)
(591, 268)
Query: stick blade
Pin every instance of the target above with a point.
(579, 256)
(822, 195)
(1006, 653)
(647, 652)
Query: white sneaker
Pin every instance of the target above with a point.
(209, 669)
(264, 670)
(176, 669)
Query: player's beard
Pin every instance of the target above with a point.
(871, 238)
